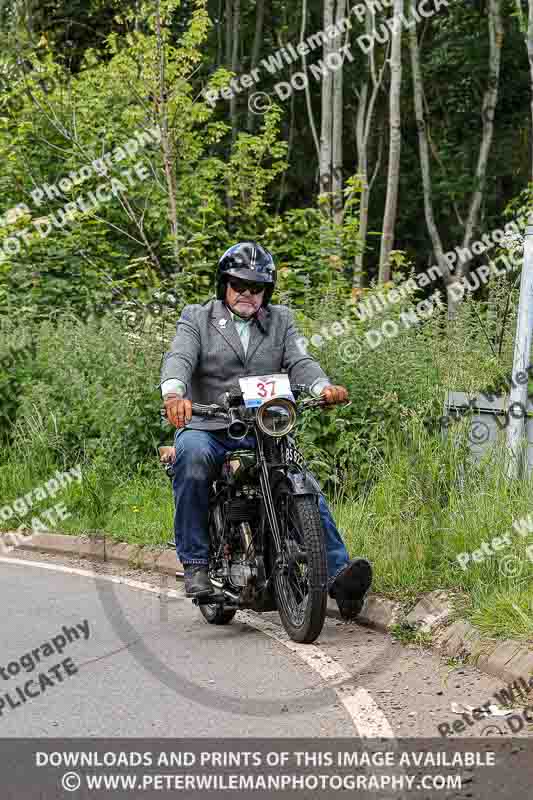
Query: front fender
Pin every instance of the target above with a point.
(294, 482)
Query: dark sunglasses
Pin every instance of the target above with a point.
(242, 286)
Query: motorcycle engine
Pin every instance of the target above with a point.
(240, 573)
(241, 570)
(238, 565)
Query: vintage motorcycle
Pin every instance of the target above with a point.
(266, 540)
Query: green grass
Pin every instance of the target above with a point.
(420, 515)
(408, 634)
(136, 509)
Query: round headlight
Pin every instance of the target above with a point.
(276, 417)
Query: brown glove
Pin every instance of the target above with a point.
(334, 394)
(179, 410)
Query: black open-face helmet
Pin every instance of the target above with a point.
(247, 261)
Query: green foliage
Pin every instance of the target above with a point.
(91, 389)
(408, 634)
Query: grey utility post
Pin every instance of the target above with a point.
(522, 349)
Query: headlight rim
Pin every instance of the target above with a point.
(290, 405)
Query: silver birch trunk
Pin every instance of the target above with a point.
(326, 133)
(364, 120)
(395, 143)
(489, 105)
(337, 127)
(425, 164)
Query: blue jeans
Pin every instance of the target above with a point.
(199, 457)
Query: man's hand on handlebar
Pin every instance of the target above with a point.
(178, 410)
(333, 395)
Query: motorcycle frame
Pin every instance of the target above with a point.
(275, 479)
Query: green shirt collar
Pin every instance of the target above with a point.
(239, 320)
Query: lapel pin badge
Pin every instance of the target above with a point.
(223, 323)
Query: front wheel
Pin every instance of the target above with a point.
(301, 583)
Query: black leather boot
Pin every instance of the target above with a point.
(197, 581)
(350, 587)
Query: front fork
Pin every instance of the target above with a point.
(264, 480)
(301, 483)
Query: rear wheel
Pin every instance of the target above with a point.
(301, 584)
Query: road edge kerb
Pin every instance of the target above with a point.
(433, 612)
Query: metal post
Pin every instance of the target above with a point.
(521, 361)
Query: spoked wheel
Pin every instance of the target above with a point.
(216, 614)
(300, 585)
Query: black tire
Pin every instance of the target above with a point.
(304, 532)
(215, 614)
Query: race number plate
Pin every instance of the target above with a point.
(260, 388)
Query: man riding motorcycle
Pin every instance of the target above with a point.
(237, 335)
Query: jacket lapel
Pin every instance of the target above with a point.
(222, 322)
(259, 332)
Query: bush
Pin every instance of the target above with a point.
(92, 389)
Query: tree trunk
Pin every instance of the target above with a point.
(326, 135)
(235, 64)
(307, 90)
(489, 105)
(362, 171)
(337, 126)
(365, 118)
(395, 143)
(418, 92)
(166, 145)
(530, 54)
(219, 33)
(229, 24)
(256, 49)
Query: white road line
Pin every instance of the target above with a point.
(145, 587)
(366, 716)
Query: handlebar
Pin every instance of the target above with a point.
(222, 412)
(209, 411)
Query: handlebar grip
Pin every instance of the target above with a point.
(207, 411)
(201, 410)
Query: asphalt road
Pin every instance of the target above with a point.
(151, 666)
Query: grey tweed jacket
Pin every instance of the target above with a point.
(207, 355)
